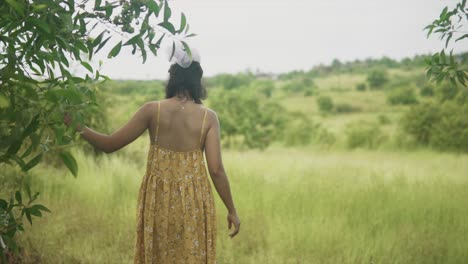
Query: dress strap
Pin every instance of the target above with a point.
(203, 126)
(157, 123)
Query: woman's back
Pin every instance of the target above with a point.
(182, 125)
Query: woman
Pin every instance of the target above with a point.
(176, 221)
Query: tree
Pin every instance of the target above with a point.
(377, 78)
(39, 42)
(451, 24)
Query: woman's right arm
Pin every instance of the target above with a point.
(217, 173)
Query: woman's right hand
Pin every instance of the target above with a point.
(233, 219)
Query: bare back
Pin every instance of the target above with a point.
(182, 126)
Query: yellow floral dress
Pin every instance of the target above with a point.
(176, 220)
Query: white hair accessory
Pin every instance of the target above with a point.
(181, 56)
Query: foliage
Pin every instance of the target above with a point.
(383, 119)
(346, 108)
(40, 41)
(325, 103)
(300, 86)
(300, 130)
(441, 125)
(244, 116)
(11, 215)
(403, 95)
(364, 134)
(447, 91)
(451, 24)
(451, 131)
(427, 90)
(361, 87)
(377, 78)
(231, 81)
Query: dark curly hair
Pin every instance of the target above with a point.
(186, 80)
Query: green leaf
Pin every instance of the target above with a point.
(28, 215)
(153, 7)
(115, 50)
(40, 24)
(158, 43)
(448, 39)
(87, 66)
(183, 23)
(70, 162)
(462, 37)
(3, 204)
(187, 49)
(32, 163)
(102, 44)
(133, 40)
(97, 4)
(168, 26)
(17, 6)
(31, 126)
(41, 207)
(98, 39)
(167, 11)
(173, 50)
(35, 212)
(18, 197)
(191, 35)
(28, 191)
(80, 45)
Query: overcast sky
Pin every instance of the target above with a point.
(280, 36)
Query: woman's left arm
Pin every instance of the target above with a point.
(120, 138)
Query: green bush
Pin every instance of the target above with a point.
(446, 91)
(323, 136)
(451, 132)
(427, 90)
(383, 119)
(325, 103)
(364, 134)
(299, 130)
(361, 87)
(304, 86)
(377, 78)
(403, 95)
(419, 120)
(442, 126)
(346, 108)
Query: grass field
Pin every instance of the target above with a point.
(296, 206)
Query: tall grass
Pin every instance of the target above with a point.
(296, 206)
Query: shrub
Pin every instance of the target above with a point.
(383, 119)
(443, 126)
(325, 103)
(419, 121)
(303, 86)
(300, 130)
(427, 90)
(361, 87)
(451, 132)
(323, 136)
(377, 78)
(402, 95)
(364, 134)
(446, 91)
(346, 108)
